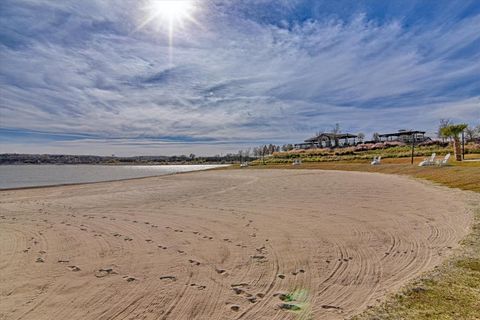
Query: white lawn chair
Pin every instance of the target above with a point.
(428, 161)
(297, 162)
(444, 161)
(376, 161)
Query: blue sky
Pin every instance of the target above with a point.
(81, 77)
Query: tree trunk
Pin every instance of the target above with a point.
(456, 149)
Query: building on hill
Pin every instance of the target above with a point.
(329, 140)
(405, 136)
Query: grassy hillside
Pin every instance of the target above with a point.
(364, 152)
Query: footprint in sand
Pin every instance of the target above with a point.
(289, 306)
(220, 271)
(238, 288)
(235, 308)
(194, 262)
(297, 272)
(74, 268)
(199, 287)
(40, 260)
(129, 279)
(251, 298)
(163, 247)
(259, 258)
(171, 278)
(104, 272)
(330, 307)
(261, 249)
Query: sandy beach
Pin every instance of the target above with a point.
(225, 244)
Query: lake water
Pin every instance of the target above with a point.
(17, 176)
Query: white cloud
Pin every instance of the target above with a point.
(84, 70)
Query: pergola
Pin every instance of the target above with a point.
(331, 140)
(403, 136)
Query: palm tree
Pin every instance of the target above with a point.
(453, 131)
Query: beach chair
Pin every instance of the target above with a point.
(297, 162)
(444, 161)
(428, 161)
(376, 161)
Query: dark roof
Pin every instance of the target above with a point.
(331, 136)
(401, 133)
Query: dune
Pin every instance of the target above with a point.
(227, 244)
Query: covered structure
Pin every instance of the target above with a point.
(329, 140)
(405, 136)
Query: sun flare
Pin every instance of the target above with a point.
(168, 12)
(169, 15)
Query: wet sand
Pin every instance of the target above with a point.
(232, 244)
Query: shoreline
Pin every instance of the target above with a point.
(103, 181)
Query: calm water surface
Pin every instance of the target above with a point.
(17, 176)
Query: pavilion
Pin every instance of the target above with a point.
(329, 140)
(405, 136)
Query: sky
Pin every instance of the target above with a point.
(91, 77)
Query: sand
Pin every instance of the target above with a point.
(231, 244)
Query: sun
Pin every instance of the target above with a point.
(169, 16)
(168, 13)
(172, 10)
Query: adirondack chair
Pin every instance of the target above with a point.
(428, 161)
(297, 162)
(444, 161)
(376, 161)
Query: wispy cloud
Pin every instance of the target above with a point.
(245, 76)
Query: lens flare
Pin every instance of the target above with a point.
(168, 15)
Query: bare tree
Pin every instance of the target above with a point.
(376, 137)
(443, 124)
(472, 133)
(246, 153)
(361, 136)
(240, 155)
(336, 131)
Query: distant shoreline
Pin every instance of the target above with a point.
(34, 182)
